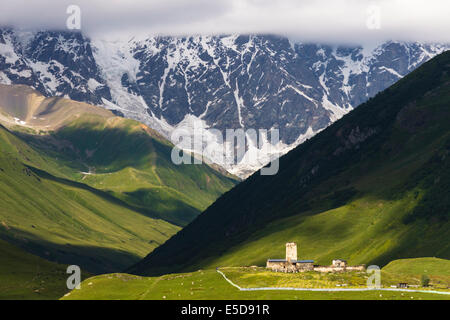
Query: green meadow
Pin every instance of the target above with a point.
(209, 284)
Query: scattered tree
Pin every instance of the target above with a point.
(425, 280)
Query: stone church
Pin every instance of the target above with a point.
(292, 264)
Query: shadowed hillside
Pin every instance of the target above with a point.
(25, 276)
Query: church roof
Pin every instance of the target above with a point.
(293, 261)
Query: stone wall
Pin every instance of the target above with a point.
(356, 268)
(289, 267)
(309, 266)
(281, 266)
(339, 269)
(328, 269)
(285, 266)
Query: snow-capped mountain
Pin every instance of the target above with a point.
(212, 82)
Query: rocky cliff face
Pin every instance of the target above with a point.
(221, 82)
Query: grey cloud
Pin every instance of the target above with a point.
(310, 20)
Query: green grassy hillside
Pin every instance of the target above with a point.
(123, 157)
(419, 266)
(210, 285)
(130, 161)
(437, 270)
(25, 276)
(81, 186)
(68, 222)
(371, 188)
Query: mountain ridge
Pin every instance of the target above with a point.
(220, 82)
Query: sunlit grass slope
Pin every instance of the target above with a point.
(419, 266)
(435, 269)
(131, 161)
(210, 285)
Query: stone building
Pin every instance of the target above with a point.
(339, 263)
(292, 264)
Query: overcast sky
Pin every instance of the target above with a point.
(352, 21)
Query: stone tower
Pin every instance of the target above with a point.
(291, 251)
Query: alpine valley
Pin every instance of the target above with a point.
(372, 188)
(87, 177)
